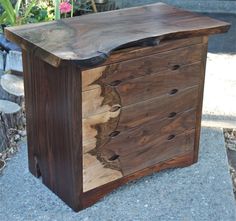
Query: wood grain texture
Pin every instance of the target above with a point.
(163, 150)
(112, 97)
(70, 39)
(129, 53)
(200, 100)
(130, 117)
(53, 113)
(139, 148)
(110, 108)
(92, 196)
(150, 133)
(154, 85)
(118, 73)
(138, 132)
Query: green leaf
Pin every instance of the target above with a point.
(28, 10)
(17, 7)
(6, 4)
(3, 18)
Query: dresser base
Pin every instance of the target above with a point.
(92, 196)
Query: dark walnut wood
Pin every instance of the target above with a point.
(89, 40)
(113, 97)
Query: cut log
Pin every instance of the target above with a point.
(12, 88)
(2, 59)
(14, 61)
(11, 118)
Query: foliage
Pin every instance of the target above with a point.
(32, 11)
(57, 9)
(42, 11)
(16, 15)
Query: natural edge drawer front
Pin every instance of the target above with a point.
(112, 97)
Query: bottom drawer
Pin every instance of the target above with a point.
(149, 144)
(159, 152)
(138, 148)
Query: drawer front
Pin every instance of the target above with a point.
(137, 52)
(107, 124)
(121, 72)
(148, 134)
(129, 152)
(102, 99)
(155, 85)
(138, 113)
(159, 152)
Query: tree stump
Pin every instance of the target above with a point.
(11, 118)
(12, 88)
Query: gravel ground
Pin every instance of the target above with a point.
(230, 139)
(200, 192)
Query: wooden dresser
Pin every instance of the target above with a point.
(112, 97)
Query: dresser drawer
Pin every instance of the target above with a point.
(102, 99)
(163, 83)
(138, 112)
(115, 74)
(148, 134)
(106, 124)
(136, 149)
(137, 52)
(163, 150)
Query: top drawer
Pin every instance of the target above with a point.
(133, 52)
(121, 72)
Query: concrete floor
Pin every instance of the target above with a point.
(200, 192)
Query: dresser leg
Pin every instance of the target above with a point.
(53, 112)
(200, 100)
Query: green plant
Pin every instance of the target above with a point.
(16, 15)
(57, 9)
(32, 11)
(42, 11)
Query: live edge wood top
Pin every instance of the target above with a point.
(89, 40)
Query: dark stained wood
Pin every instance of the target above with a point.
(158, 108)
(92, 196)
(148, 143)
(53, 112)
(154, 85)
(200, 100)
(150, 133)
(131, 117)
(165, 149)
(104, 134)
(112, 97)
(90, 39)
(137, 52)
(156, 63)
